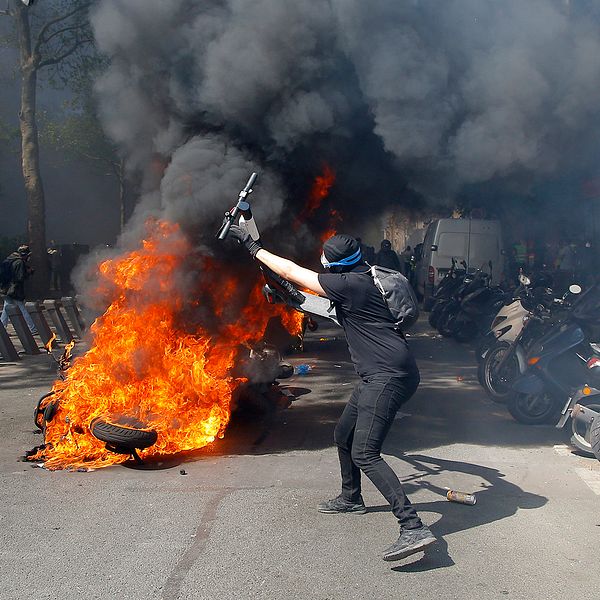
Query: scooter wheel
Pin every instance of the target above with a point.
(581, 437)
(533, 409)
(595, 438)
(498, 385)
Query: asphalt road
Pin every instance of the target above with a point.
(242, 523)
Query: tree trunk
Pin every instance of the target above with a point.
(30, 155)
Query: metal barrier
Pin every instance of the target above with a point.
(53, 307)
(37, 314)
(72, 310)
(7, 349)
(18, 322)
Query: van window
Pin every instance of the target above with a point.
(452, 244)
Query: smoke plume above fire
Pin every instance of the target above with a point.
(406, 100)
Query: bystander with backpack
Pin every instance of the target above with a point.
(14, 270)
(373, 305)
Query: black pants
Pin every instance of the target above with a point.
(360, 433)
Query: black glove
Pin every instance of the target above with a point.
(244, 238)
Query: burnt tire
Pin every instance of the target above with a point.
(40, 409)
(533, 409)
(122, 437)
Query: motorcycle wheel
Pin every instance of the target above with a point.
(483, 346)
(498, 385)
(582, 436)
(446, 322)
(465, 332)
(40, 409)
(533, 409)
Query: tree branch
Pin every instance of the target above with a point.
(40, 37)
(59, 32)
(66, 54)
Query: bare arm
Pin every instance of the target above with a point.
(305, 278)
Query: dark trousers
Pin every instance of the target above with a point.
(359, 436)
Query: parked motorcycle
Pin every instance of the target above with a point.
(516, 326)
(583, 410)
(556, 362)
(451, 281)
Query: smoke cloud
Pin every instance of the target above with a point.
(408, 101)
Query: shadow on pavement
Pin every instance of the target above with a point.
(497, 500)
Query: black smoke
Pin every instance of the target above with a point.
(408, 101)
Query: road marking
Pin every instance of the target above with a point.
(562, 449)
(590, 478)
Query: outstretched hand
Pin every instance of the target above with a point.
(244, 238)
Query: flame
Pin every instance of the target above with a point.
(142, 365)
(319, 191)
(335, 219)
(48, 344)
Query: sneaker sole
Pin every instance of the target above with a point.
(358, 511)
(412, 550)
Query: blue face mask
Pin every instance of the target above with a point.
(345, 262)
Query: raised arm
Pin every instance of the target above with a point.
(305, 278)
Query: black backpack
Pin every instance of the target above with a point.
(398, 295)
(6, 273)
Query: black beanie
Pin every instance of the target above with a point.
(340, 246)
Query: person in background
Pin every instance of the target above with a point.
(54, 260)
(15, 271)
(387, 258)
(368, 252)
(405, 259)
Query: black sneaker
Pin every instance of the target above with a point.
(410, 542)
(339, 505)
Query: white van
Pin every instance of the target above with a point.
(476, 241)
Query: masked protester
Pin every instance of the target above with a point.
(15, 270)
(388, 378)
(386, 257)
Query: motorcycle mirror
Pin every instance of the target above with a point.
(575, 289)
(524, 280)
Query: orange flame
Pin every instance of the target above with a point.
(48, 344)
(319, 191)
(142, 365)
(335, 220)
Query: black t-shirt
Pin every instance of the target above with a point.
(360, 307)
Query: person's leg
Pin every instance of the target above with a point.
(26, 315)
(377, 407)
(343, 436)
(4, 316)
(350, 500)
